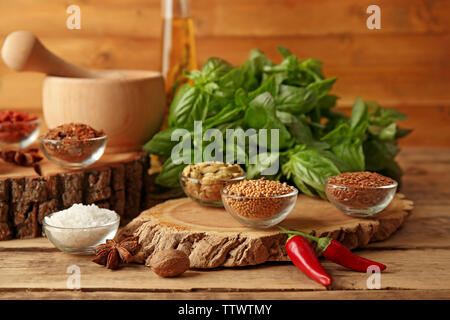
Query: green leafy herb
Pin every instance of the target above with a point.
(316, 141)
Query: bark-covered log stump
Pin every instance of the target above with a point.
(212, 238)
(117, 181)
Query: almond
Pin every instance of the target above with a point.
(169, 263)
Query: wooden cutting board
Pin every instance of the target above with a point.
(212, 238)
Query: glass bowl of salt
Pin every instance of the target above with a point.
(80, 228)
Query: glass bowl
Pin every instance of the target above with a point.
(206, 193)
(80, 240)
(261, 213)
(74, 154)
(360, 202)
(19, 135)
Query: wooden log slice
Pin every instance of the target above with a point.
(212, 238)
(117, 181)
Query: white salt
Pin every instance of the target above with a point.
(94, 224)
(81, 216)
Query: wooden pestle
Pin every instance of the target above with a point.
(22, 51)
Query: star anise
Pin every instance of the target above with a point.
(111, 254)
(25, 158)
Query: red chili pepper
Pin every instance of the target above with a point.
(338, 253)
(302, 255)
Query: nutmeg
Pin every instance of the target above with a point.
(169, 263)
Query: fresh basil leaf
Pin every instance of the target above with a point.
(350, 155)
(269, 85)
(309, 169)
(300, 130)
(360, 118)
(260, 110)
(388, 133)
(232, 80)
(253, 68)
(260, 114)
(161, 143)
(326, 102)
(284, 51)
(295, 100)
(240, 98)
(195, 75)
(379, 157)
(401, 132)
(237, 124)
(228, 114)
(261, 163)
(322, 87)
(384, 117)
(256, 62)
(346, 139)
(314, 68)
(193, 105)
(288, 72)
(169, 176)
(337, 134)
(179, 95)
(215, 68)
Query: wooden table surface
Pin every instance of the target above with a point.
(417, 256)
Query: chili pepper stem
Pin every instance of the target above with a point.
(322, 243)
(298, 233)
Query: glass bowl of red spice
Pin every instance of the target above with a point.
(18, 130)
(73, 145)
(360, 194)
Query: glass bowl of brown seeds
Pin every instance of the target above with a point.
(360, 194)
(259, 203)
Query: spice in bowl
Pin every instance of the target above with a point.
(259, 203)
(202, 182)
(360, 194)
(73, 145)
(18, 128)
(80, 228)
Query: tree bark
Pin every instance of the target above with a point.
(117, 182)
(212, 238)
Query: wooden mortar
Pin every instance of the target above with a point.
(128, 105)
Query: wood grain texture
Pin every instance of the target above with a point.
(417, 258)
(404, 63)
(140, 18)
(387, 294)
(407, 270)
(403, 274)
(395, 71)
(426, 176)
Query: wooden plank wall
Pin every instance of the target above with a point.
(406, 64)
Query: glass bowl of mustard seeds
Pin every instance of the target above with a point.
(259, 203)
(73, 145)
(360, 194)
